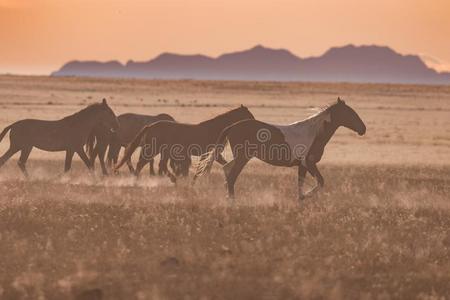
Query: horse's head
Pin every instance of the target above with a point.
(242, 113)
(344, 115)
(107, 117)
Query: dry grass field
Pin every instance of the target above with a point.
(380, 229)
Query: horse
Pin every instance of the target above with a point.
(178, 141)
(68, 134)
(300, 144)
(130, 125)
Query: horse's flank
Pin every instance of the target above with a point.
(303, 133)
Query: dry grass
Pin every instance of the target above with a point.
(373, 233)
(379, 229)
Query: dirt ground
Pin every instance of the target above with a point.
(380, 229)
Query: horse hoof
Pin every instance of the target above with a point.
(230, 199)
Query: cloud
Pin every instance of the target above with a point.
(435, 63)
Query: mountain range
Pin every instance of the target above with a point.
(371, 64)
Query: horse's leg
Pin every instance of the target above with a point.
(130, 166)
(113, 151)
(143, 160)
(231, 176)
(113, 155)
(101, 156)
(23, 159)
(172, 177)
(93, 157)
(174, 166)
(221, 160)
(84, 158)
(312, 169)
(183, 166)
(68, 163)
(163, 163)
(151, 167)
(186, 165)
(301, 181)
(7, 155)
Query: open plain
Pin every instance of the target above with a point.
(380, 229)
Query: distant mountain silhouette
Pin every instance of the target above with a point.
(340, 64)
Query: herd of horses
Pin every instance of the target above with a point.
(97, 130)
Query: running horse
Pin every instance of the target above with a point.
(299, 144)
(178, 141)
(68, 134)
(130, 125)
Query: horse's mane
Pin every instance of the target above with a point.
(321, 110)
(222, 115)
(82, 112)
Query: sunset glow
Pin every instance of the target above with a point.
(39, 36)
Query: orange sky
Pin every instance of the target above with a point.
(38, 36)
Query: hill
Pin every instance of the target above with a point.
(350, 63)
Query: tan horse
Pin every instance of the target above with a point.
(178, 141)
(68, 134)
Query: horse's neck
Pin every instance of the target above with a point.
(325, 135)
(85, 123)
(218, 124)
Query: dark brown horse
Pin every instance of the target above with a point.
(178, 141)
(300, 144)
(68, 134)
(130, 125)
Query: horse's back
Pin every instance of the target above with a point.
(265, 141)
(172, 127)
(131, 124)
(170, 132)
(253, 130)
(43, 134)
(133, 117)
(33, 126)
(31, 122)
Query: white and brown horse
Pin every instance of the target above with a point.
(299, 144)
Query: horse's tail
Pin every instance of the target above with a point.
(207, 159)
(90, 145)
(129, 150)
(5, 131)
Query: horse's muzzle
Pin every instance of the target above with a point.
(362, 131)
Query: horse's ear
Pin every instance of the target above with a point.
(340, 100)
(104, 101)
(242, 105)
